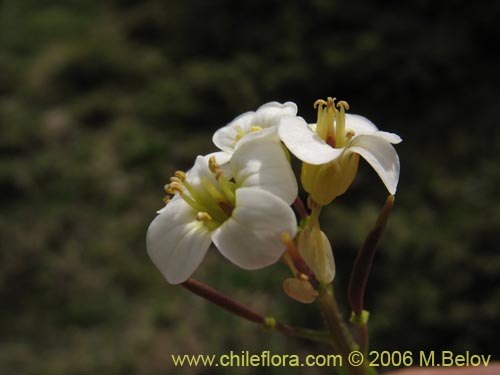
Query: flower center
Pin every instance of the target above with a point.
(331, 122)
(213, 199)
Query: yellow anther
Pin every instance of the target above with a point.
(180, 175)
(302, 276)
(349, 134)
(239, 132)
(212, 165)
(319, 102)
(203, 216)
(255, 128)
(331, 102)
(175, 179)
(173, 187)
(166, 199)
(343, 104)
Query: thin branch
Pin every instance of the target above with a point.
(237, 308)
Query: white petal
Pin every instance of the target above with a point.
(381, 156)
(267, 116)
(226, 137)
(270, 113)
(177, 242)
(304, 143)
(251, 237)
(266, 133)
(262, 163)
(359, 124)
(389, 137)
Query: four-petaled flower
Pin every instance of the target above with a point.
(243, 207)
(330, 150)
(250, 125)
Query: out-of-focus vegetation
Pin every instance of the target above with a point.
(101, 101)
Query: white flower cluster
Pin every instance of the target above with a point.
(240, 197)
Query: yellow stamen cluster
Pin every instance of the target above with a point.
(213, 201)
(329, 114)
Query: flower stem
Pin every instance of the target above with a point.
(341, 339)
(300, 208)
(236, 308)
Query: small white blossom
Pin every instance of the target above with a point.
(330, 149)
(243, 209)
(260, 124)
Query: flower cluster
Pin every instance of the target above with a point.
(240, 198)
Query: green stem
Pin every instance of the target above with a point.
(237, 308)
(341, 339)
(304, 333)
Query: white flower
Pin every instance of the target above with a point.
(243, 210)
(250, 125)
(330, 149)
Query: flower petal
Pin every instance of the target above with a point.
(226, 137)
(251, 237)
(267, 116)
(265, 133)
(380, 154)
(389, 137)
(262, 163)
(359, 124)
(269, 113)
(177, 242)
(304, 143)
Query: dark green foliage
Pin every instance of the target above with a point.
(100, 102)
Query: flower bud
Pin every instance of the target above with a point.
(315, 249)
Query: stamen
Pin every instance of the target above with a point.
(239, 132)
(350, 134)
(175, 179)
(325, 119)
(228, 188)
(343, 104)
(180, 175)
(212, 165)
(255, 128)
(173, 188)
(191, 202)
(203, 216)
(340, 123)
(319, 102)
(167, 199)
(212, 190)
(330, 102)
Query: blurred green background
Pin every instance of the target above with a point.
(100, 102)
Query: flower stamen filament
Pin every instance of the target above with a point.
(340, 123)
(325, 120)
